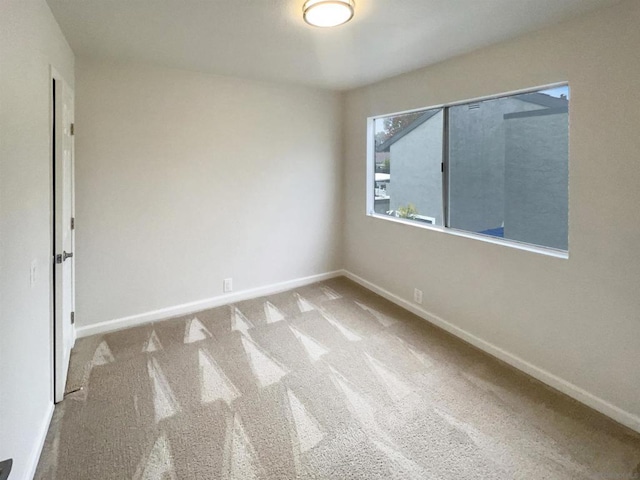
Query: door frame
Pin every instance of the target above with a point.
(56, 135)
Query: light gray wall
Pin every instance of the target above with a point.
(184, 179)
(576, 318)
(536, 179)
(30, 41)
(415, 170)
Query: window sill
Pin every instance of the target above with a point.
(551, 252)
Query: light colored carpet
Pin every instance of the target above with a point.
(327, 382)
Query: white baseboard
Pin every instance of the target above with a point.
(197, 306)
(621, 416)
(39, 444)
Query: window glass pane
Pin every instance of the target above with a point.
(408, 156)
(508, 167)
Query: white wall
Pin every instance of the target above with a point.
(184, 179)
(30, 41)
(578, 319)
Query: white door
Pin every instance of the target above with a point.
(63, 232)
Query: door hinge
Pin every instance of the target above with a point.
(73, 318)
(72, 129)
(73, 223)
(442, 167)
(58, 258)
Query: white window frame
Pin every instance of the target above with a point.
(370, 179)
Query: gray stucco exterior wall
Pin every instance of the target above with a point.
(415, 170)
(537, 178)
(476, 162)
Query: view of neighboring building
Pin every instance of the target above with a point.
(507, 168)
(415, 155)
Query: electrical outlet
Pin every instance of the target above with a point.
(417, 296)
(227, 285)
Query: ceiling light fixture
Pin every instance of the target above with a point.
(328, 13)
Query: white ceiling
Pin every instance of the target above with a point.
(267, 39)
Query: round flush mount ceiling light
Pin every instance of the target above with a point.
(328, 13)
